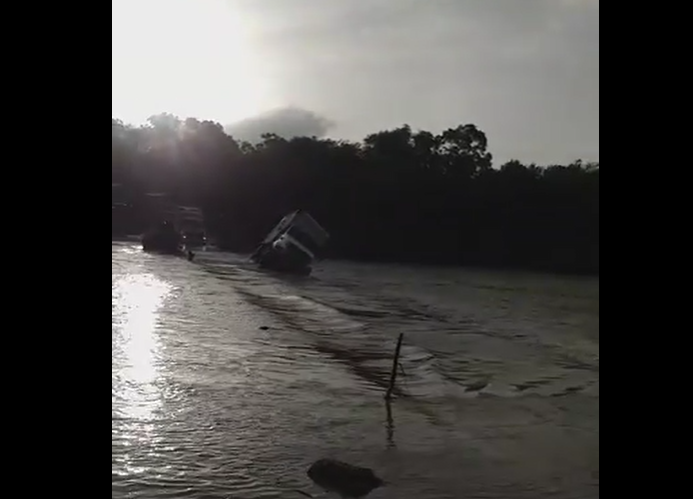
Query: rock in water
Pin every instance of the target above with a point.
(345, 479)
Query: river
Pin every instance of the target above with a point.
(229, 382)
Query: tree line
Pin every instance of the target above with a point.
(399, 195)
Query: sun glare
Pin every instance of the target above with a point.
(186, 57)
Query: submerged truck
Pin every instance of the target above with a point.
(293, 245)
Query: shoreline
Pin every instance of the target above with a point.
(133, 238)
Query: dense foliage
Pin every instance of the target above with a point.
(399, 195)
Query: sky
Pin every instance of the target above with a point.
(526, 72)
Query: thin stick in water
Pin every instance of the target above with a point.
(395, 364)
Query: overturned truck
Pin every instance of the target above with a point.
(293, 245)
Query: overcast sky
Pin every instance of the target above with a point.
(525, 71)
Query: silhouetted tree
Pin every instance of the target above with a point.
(400, 195)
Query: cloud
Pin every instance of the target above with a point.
(286, 122)
(526, 72)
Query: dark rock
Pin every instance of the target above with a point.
(345, 479)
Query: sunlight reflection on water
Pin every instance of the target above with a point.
(137, 300)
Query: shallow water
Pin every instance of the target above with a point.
(228, 382)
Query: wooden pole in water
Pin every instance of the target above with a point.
(395, 364)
